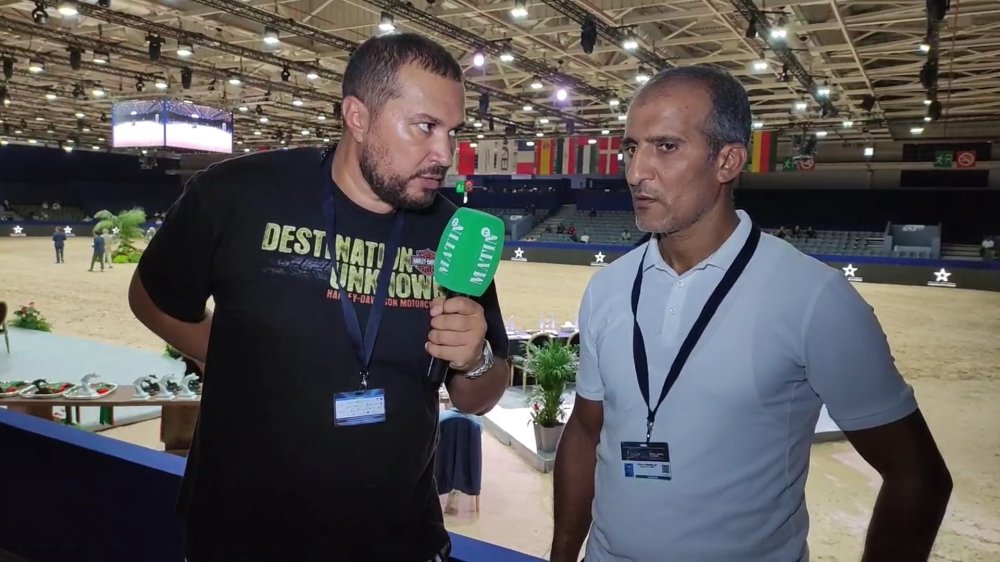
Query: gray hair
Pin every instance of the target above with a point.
(729, 120)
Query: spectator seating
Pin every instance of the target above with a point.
(848, 242)
(605, 228)
(66, 214)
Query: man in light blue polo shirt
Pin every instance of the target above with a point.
(741, 338)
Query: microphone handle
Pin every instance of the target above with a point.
(438, 369)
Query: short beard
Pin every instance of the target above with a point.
(391, 189)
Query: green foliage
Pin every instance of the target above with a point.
(553, 365)
(169, 351)
(119, 259)
(128, 223)
(29, 318)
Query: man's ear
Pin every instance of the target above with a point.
(730, 161)
(356, 118)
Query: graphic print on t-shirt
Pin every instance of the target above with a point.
(359, 262)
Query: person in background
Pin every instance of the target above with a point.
(781, 233)
(626, 235)
(56, 206)
(742, 339)
(109, 241)
(988, 248)
(59, 240)
(98, 246)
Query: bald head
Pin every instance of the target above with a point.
(728, 118)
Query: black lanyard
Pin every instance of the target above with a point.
(364, 345)
(639, 343)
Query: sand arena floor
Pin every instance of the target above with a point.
(945, 342)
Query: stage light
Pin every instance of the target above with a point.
(312, 75)
(869, 151)
(67, 9)
(271, 36)
(539, 134)
(527, 108)
(779, 31)
(507, 55)
(520, 9)
(641, 76)
(161, 84)
(321, 117)
(760, 65)
(821, 134)
(477, 124)
(98, 92)
(36, 66)
(758, 124)
(630, 43)
(924, 48)
(801, 106)
(916, 130)
(614, 102)
(155, 45)
(473, 145)
(80, 114)
(305, 132)
(480, 136)
(848, 124)
(296, 101)
(621, 117)
(386, 24)
(244, 108)
(39, 15)
(591, 141)
(75, 58)
(536, 83)
(530, 143)
(140, 84)
(588, 35)
(235, 80)
(185, 49)
(605, 131)
(544, 121)
(100, 57)
(50, 96)
(478, 59)
(561, 94)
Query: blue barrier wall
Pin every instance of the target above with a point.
(74, 496)
(867, 269)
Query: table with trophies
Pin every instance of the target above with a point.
(178, 400)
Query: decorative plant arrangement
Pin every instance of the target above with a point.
(29, 318)
(554, 365)
(127, 228)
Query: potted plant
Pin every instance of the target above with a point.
(29, 318)
(127, 228)
(553, 365)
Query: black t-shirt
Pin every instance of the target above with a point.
(267, 464)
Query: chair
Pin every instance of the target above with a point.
(458, 464)
(574, 338)
(536, 340)
(3, 325)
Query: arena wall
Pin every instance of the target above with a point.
(862, 269)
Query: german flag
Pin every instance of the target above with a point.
(763, 151)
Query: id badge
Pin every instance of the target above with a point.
(359, 408)
(646, 460)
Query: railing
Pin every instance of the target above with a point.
(71, 495)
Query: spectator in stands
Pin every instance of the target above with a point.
(56, 206)
(45, 204)
(810, 233)
(796, 231)
(7, 206)
(781, 233)
(59, 241)
(987, 250)
(718, 473)
(98, 246)
(585, 238)
(626, 235)
(571, 231)
(560, 228)
(593, 213)
(548, 229)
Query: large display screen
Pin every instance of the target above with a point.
(198, 127)
(137, 123)
(171, 124)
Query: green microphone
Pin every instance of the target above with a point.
(467, 259)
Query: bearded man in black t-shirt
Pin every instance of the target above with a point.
(310, 445)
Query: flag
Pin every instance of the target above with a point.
(525, 158)
(543, 157)
(609, 149)
(494, 158)
(586, 157)
(943, 159)
(764, 151)
(466, 159)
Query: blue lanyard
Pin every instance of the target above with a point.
(364, 345)
(707, 312)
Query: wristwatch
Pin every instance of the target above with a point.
(487, 363)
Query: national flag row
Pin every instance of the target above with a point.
(542, 157)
